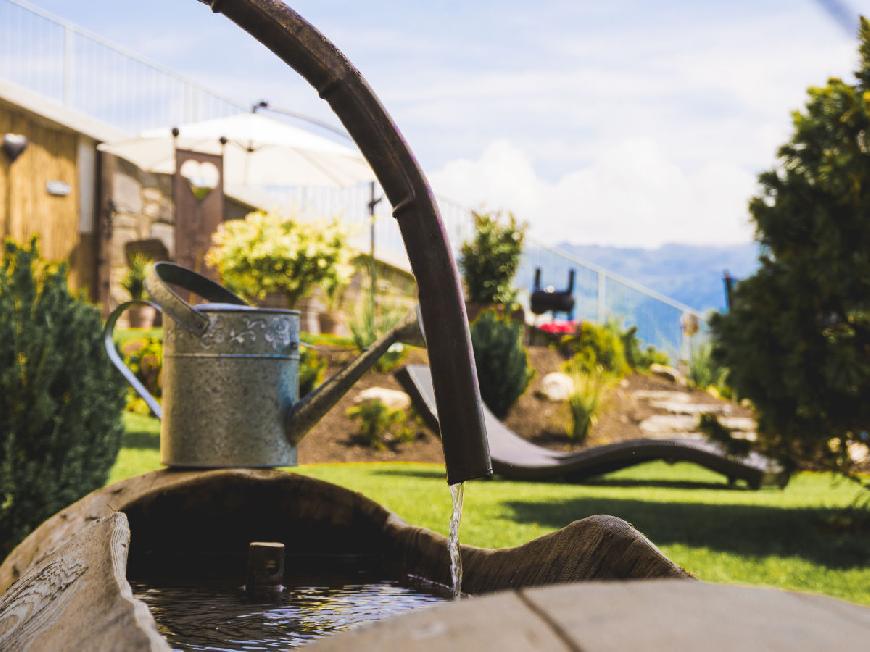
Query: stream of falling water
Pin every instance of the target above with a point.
(456, 491)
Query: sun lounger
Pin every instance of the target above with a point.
(516, 458)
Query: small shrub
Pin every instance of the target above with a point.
(312, 368)
(380, 425)
(585, 401)
(714, 431)
(266, 253)
(636, 356)
(134, 280)
(144, 357)
(368, 325)
(594, 346)
(60, 398)
(490, 260)
(705, 372)
(503, 371)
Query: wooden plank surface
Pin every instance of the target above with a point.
(501, 622)
(680, 615)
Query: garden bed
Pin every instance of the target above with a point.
(535, 418)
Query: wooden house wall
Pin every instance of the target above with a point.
(26, 207)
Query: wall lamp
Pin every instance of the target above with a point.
(14, 146)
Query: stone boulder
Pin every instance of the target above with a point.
(392, 398)
(668, 373)
(556, 386)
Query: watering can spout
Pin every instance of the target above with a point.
(302, 416)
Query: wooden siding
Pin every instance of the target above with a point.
(26, 207)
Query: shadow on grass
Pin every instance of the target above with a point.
(141, 440)
(593, 482)
(666, 484)
(749, 530)
(434, 474)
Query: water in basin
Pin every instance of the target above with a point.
(220, 616)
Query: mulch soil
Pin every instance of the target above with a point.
(333, 438)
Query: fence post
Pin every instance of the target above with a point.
(601, 297)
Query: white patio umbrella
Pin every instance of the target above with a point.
(259, 153)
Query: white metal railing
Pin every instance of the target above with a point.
(600, 295)
(85, 72)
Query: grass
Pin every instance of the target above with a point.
(123, 335)
(793, 539)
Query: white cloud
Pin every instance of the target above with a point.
(632, 194)
(653, 137)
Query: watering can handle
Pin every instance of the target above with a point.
(118, 361)
(157, 281)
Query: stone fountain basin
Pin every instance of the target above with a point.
(66, 584)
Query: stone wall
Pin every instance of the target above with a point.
(144, 217)
(143, 210)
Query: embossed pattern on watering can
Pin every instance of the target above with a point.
(227, 392)
(249, 333)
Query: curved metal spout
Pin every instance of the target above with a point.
(306, 50)
(311, 408)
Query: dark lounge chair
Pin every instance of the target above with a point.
(518, 459)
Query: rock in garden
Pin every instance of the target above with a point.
(668, 425)
(392, 398)
(680, 407)
(662, 395)
(859, 452)
(668, 373)
(556, 386)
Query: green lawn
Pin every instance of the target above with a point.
(791, 539)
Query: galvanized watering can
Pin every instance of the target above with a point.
(230, 375)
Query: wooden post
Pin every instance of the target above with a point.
(196, 218)
(265, 567)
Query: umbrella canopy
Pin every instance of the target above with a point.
(259, 152)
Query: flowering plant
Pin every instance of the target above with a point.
(265, 253)
(558, 327)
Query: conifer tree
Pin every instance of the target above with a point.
(797, 337)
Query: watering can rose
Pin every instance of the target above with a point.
(266, 253)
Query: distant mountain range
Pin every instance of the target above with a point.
(691, 274)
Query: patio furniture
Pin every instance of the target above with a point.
(518, 459)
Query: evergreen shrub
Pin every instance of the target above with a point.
(60, 398)
(490, 260)
(503, 371)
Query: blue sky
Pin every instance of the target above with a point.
(625, 122)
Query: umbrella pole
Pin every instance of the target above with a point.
(373, 272)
